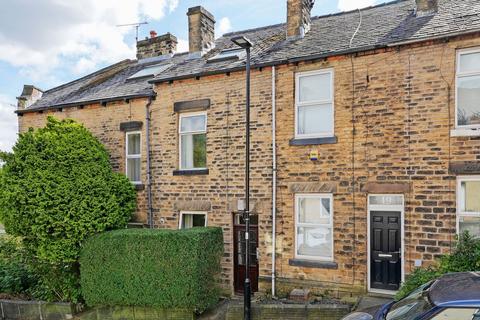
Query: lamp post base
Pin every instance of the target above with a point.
(246, 300)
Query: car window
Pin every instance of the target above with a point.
(458, 314)
(409, 308)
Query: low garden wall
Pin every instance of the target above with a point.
(36, 310)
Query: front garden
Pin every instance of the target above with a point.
(65, 211)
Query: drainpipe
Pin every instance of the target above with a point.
(149, 169)
(274, 180)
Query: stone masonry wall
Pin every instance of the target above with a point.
(224, 185)
(403, 110)
(398, 131)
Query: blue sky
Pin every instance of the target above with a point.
(55, 41)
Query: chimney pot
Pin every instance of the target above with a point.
(425, 7)
(201, 29)
(298, 17)
(156, 45)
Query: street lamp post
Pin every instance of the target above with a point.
(244, 43)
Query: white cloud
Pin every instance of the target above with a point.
(347, 5)
(224, 26)
(182, 45)
(43, 35)
(8, 123)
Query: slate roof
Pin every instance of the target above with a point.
(381, 26)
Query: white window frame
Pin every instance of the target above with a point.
(331, 101)
(180, 134)
(467, 129)
(461, 197)
(298, 224)
(134, 156)
(182, 213)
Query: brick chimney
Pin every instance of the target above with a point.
(426, 7)
(298, 17)
(30, 94)
(201, 29)
(156, 45)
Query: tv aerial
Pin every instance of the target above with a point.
(136, 25)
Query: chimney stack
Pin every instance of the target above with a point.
(298, 17)
(426, 7)
(201, 29)
(30, 94)
(156, 45)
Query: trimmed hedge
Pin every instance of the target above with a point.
(171, 269)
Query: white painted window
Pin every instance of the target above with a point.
(192, 219)
(314, 109)
(314, 226)
(468, 205)
(193, 141)
(134, 156)
(468, 89)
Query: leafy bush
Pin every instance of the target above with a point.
(56, 189)
(465, 257)
(16, 277)
(157, 268)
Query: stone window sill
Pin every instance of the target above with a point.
(465, 132)
(139, 186)
(313, 141)
(313, 264)
(201, 172)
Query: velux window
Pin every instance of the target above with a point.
(193, 141)
(468, 89)
(468, 205)
(192, 219)
(314, 114)
(134, 156)
(314, 226)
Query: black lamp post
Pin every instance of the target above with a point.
(244, 43)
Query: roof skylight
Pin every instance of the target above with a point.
(150, 71)
(229, 54)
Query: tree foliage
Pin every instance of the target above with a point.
(57, 188)
(465, 257)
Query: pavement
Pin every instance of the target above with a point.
(372, 301)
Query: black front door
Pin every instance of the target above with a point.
(385, 248)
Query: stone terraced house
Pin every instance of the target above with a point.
(365, 139)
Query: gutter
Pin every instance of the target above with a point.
(274, 180)
(148, 115)
(80, 103)
(448, 35)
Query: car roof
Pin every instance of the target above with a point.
(456, 290)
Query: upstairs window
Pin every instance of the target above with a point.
(314, 114)
(134, 157)
(468, 89)
(193, 141)
(468, 205)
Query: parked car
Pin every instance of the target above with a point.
(454, 296)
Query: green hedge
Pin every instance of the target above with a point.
(157, 268)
